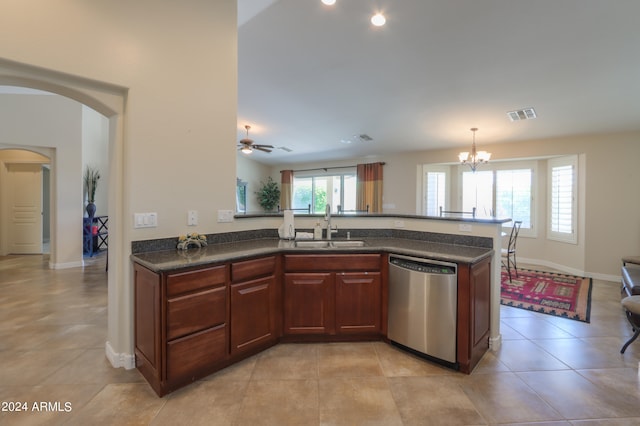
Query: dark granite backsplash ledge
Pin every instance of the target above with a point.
(163, 244)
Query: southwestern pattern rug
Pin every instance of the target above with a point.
(549, 293)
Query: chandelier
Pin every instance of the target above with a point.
(474, 158)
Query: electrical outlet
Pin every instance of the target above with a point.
(192, 217)
(465, 227)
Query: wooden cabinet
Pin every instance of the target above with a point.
(181, 325)
(332, 294)
(308, 303)
(255, 313)
(474, 313)
(358, 302)
(193, 322)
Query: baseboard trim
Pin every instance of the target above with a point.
(119, 360)
(66, 265)
(495, 342)
(572, 271)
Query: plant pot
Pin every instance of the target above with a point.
(91, 209)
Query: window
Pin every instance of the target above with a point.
(477, 191)
(506, 191)
(318, 190)
(562, 199)
(513, 195)
(435, 184)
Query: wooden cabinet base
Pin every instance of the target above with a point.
(194, 322)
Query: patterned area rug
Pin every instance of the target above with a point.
(556, 294)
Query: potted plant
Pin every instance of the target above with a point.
(269, 194)
(91, 177)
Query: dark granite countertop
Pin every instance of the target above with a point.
(169, 260)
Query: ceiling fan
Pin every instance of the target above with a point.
(246, 145)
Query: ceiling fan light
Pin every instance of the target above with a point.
(329, 2)
(246, 150)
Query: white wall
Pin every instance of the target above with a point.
(170, 68)
(95, 153)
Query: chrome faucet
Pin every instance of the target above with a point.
(327, 218)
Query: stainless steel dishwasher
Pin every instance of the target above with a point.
(423, 297)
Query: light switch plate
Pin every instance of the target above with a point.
(225, 215)
(145, 220)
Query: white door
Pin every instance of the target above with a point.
(24, 184)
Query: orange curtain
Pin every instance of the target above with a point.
(369, 187)
(286, 189)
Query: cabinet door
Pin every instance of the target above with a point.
(358, 302)
(196, 311)
(190, 357)
(309, 306)
(253, 316)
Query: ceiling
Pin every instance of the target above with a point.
(313, 77)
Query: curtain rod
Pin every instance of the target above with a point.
(327, 168)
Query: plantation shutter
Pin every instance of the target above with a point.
(562, 203)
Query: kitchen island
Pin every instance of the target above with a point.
(201, 310)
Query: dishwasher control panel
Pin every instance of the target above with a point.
(427, 267)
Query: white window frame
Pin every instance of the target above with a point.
(446, 170)
(509, 165)
(351, 172)
(553, 234)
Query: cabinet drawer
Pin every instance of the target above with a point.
(196, 311)
(241, 271)
(193, 280)
(332, 262)
(189, 356)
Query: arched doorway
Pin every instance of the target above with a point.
(108, 100)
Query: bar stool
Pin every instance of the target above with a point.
(631, 305)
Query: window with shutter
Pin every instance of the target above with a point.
(562, 199)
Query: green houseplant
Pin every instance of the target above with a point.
(269, 194)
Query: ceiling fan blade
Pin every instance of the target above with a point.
(262, 148)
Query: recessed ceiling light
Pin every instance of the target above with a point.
(378, 19)
(329, 2)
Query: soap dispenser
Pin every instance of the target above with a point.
(317, 232)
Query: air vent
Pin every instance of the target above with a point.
(522, 114)
(365, 138)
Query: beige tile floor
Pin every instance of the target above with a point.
(549, 371)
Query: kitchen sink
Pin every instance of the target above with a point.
(330, 244)
(312, 244)
(348, 243)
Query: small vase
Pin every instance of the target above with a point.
(91, 209)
